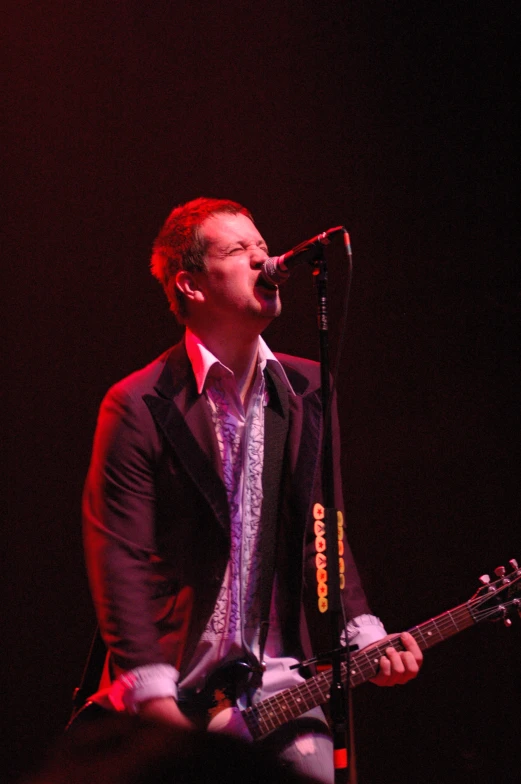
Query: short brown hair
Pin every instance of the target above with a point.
(180, 246)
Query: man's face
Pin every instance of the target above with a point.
(231, 285)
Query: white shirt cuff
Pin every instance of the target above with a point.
(143, 683)
(364, 630)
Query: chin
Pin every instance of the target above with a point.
(271, 312)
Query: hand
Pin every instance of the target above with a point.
(231, 722)
(398, 667)
(166, 711)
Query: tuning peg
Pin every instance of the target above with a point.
(500, 571)
(513, 563)
(507, 622)
(484, 579)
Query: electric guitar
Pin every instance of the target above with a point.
(494, 600)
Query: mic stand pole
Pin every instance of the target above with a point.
(339, 697)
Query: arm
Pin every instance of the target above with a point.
(118, 515)
(118, 519)
(164, 710)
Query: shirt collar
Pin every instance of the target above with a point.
(202, 360)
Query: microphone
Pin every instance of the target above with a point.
(276, 269)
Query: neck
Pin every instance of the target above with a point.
(237, 352)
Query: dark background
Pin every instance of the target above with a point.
(393, 118)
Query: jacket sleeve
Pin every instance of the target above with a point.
(118, 520)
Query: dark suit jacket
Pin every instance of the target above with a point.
(156, 520)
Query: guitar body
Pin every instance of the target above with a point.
(219, 695)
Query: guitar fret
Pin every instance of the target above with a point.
(293, 709)
(356, 677)
(372, 660)
(253, 722)
(419, 636)
(312, 692)
(440, 635)
(450, 615)
(262, 712)
(268, 716)
(283, 705)
(428, 638)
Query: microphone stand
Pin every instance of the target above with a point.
(339, 696)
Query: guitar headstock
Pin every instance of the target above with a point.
(497, 599)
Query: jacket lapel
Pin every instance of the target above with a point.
(276, 424)
(304, 444)
(185, 420)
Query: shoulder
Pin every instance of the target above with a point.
(303, 374)
(145, 380)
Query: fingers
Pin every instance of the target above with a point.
(398, 667)
(412, 648)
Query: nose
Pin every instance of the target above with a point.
(258, 257)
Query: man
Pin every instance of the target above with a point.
(202, 482)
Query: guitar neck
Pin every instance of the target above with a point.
(293, 702)
(364, 664)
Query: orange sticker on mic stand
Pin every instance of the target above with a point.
(322, 590)
(319, 528)
(320, 544)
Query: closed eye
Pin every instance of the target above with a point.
(241, 248)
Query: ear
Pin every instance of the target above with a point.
(186, 283)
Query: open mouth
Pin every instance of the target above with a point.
(265, 284)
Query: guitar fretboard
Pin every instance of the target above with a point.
(274, 711)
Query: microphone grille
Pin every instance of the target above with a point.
(273, 272)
